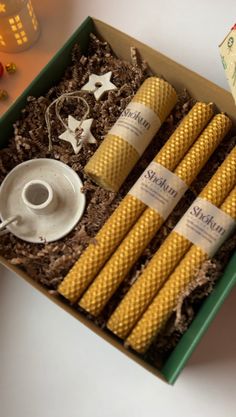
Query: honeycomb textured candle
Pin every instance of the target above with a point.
(168, 256)
(160, 310)
(131, 134)
(113, 273)
(129, 210)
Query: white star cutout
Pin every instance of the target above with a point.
(86, 136)
(2, 8)
(99, 84)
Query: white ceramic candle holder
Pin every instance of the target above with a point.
(41, 201)
(39, 197)
(5, 223)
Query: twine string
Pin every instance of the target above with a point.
(58, 102)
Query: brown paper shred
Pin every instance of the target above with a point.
(48, 263)
(189, 303)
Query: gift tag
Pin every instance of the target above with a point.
(99, 84)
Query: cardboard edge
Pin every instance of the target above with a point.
(100, 24)
(225, 38)
(69, 309)
(209, 309)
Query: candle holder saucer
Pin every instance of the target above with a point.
(41, 200)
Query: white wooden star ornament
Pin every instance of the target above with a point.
(99, 84)
(70, 134)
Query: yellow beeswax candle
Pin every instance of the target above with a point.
(131, 134)
(159, 311)
(130, 209)
(168, 256)
(113, 273)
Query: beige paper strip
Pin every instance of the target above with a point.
(130, 209)
(113, 273)
(115, 158)
(159, 311)
(205, 225)
(168, 256)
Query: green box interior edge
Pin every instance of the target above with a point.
(49, 76)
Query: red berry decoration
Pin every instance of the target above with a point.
(1, 70)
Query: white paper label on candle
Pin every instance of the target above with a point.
(159, 188)
(205, 225)
(137, 125)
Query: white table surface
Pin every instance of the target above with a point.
(50, 364)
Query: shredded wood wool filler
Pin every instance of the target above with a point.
(49, 263)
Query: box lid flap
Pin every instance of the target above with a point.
(228, 57)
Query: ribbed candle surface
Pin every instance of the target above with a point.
(113, 273)
(130, 209)
(168, 256)
(159, 311)
(116, 156)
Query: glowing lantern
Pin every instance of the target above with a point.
(19, 27)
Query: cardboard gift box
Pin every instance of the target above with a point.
(180, 77)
